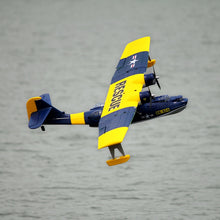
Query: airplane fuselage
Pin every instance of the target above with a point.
(159, 106)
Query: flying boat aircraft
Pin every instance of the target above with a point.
(127, 102)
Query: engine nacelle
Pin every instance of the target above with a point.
(145, 96)
(149, 79)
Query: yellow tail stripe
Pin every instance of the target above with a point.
(77, 119)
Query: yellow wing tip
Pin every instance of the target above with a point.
(118, 160)
(136, 46)
(112, 137)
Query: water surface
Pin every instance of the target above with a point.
(70, 49)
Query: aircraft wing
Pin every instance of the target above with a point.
(123, 94)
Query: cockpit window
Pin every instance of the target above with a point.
(164, 98)
(97, 106)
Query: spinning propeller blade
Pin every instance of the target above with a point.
(151, 96)
(155, 76)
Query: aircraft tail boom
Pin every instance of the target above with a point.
(40, 111)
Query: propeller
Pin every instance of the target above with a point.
(155, 76)
(151, 96)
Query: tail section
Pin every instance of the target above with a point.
(31, 106)
(40, 111)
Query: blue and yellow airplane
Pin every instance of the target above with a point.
(127, 102)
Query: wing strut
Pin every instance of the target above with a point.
(117, 160)
(112, 150)
(156, 77)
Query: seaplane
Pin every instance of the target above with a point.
(129, 100)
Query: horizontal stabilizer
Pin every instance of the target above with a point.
(37, 118)
(46, 98)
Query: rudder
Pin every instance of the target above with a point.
(38, 108)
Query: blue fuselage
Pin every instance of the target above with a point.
(157, 107)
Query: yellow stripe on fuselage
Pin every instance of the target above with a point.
(137, 46)
(123, 93)
(77, 119)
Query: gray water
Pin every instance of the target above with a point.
(70, 49)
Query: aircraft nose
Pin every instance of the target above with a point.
(185, 101)
(179, 101)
